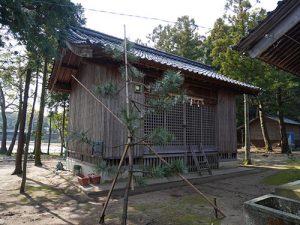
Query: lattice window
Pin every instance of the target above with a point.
(209, 125)
(193, 122)
(200, 124)
(174, 124)
(153, 120)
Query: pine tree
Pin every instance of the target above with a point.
(166, 92)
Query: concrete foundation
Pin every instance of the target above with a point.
(272, 210)
(86, 167)
(228, 164)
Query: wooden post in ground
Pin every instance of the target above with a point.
(247, 159)
(216, 211)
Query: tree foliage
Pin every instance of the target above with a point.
(58, 124)
(226, 33)
(238, 19)
(181, 39)
(40, 25)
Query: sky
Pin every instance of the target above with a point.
(205, 12)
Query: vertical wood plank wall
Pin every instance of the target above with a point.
(226, 125)
(87, 115)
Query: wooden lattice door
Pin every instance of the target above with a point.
(201, 125)
(190, 125)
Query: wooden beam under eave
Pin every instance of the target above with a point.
(84, 51)
(71, 67)
(275, 34)
(62, 87)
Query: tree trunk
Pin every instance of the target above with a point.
(39, 128)
(31, 115)
(24, 174)
(247, 159)
(63, 129)
(14, 138)
(61, 139)
(50, 133)
(3, 148)
(263, 126)
(127, 189)
(21, 138)
(283, 140)
(22, 188)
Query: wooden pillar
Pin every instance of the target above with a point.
(184, 136)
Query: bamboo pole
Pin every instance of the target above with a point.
(126, 194)
(102, 216)
(130, 150)
(188, 182)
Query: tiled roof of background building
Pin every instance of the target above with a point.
(84, 36)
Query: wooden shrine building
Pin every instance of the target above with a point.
(208, 118)
(272, 124)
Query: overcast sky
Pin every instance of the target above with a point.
(205, 12)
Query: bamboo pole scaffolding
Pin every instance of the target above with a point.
(127, 147)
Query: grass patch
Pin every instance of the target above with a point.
(180, 211)
(187, 219)
(282, 177)
(194, 219)
(294, 162)
(193, 200)
(24, 200)
(50, 191)
(185, 210)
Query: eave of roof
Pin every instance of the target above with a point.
(285, 119)
(272, 19)
(79, 36)
(274, 118)
(275, 40)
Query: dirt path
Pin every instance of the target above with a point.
(53, 200)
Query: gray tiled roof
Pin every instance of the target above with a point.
(286, 120)
(84, 36)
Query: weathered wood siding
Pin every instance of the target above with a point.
(272, 127)
(226, 125)
(88, 115)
